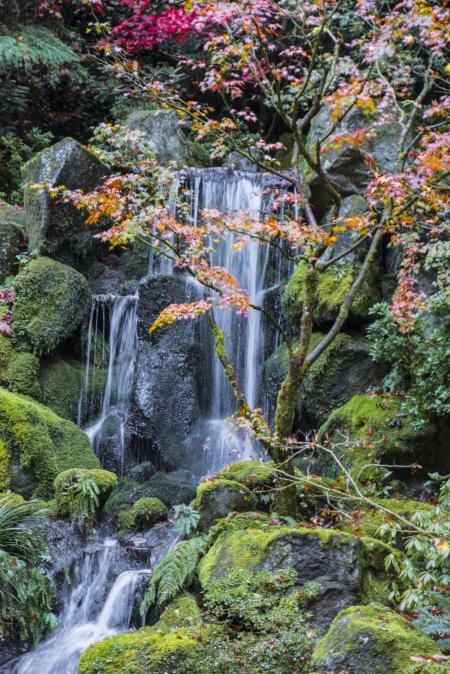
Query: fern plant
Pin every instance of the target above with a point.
(435, 620)
(174, 572)
(186, 519)
(18, 535)
(30, 46)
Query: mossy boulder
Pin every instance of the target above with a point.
(371, 639)
(149, 651)
(348, 568)
(53, 227)
(11, 237)
(60, 380)
(143, 514)
(333, 286)
(19, 371)
(216, 498)
(182, 612)
(378, 429)
(51, 302)
(170, 488)
(342, 371)
(69, 498)
(253, 474)
(36, 445)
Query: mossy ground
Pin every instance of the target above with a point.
(371, 636)
(41, 443)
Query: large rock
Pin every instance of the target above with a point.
(349, 569)
(11, 236)
(171, 488)
(333, 286)
(344, 370)
(56, 228)
(163, 133)
(51, 302)
(371, 639)
(378, 430)
(345, 164)
(217, 498)
(36, 445)
(170, 391)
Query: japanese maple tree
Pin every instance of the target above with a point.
(263, 68)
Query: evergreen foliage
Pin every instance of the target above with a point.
(174, 572)
(34, 45)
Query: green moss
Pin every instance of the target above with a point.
(333, 286)
(146, 651)
(143, 514)
(370, 639)
(216, 498)
(39, 444)
(248, 547)
(6, 351)
(377, 429)
(21, 375)
(12, 498)
(4, 466)
(60, 382)
(68, 500)
(250, 473)
(11, 235)
(182, 612)
(52, 300)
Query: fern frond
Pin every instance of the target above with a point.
(174, 572)
(30, 46)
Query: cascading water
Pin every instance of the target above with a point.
(256, 269)
(107, 433)
(90, 612)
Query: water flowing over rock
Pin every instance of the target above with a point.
(101, 600)
(107, 433)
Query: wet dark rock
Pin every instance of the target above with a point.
(170, 488)
(171, 387)
(345, 164)
(142, 471)
(56, 228)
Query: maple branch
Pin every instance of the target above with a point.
(348, 300)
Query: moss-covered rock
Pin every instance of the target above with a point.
(216, 498)
(143, 514)
(377, 429)
(21, 375)
(333, 286)
(11, 498)
(368, 519)
(253, 474)
(60, 381)
(370, 639)
(69, 499)
(57, 228)
(11, 237)
(18, 371)
(148, 651)
(182, 612)
(51, 302)
(345, 369)
(37, 445)
(348, 568)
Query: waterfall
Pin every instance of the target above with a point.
(90, 612)
(107, 433)
(256, 268)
